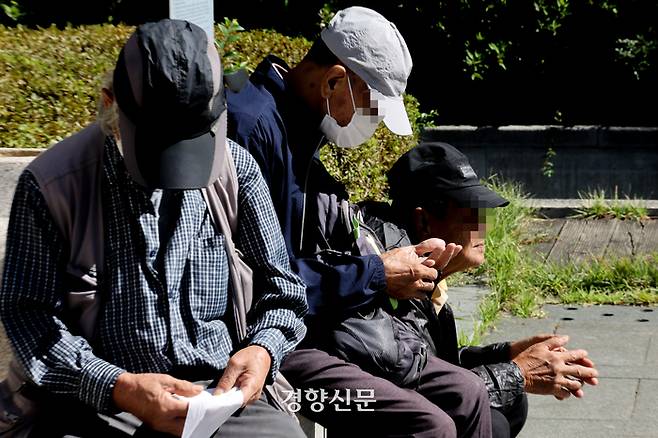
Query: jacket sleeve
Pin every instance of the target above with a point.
(337, 283)
(470, 357)
(504, 383)
(501, 376)
(275, 320)
(32, 303)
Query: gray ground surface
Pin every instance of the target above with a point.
(464, 302)
(623, 342)
(10, 169)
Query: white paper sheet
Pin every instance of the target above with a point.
(206, 412)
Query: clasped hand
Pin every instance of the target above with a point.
(549, 368)
(411, 271)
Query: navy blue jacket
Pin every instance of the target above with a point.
(284, 138)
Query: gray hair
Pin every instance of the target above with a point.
(107, 116)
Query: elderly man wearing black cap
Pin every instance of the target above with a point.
(454, 205)
(116, 292)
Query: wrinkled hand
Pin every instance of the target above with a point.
(518, 347)
(411, 274)
(149, 398)
(549, 368)
(246, 369)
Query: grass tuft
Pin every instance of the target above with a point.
(598, 207)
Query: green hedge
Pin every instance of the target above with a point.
(50, 80)
(50, 77)
(485, 62)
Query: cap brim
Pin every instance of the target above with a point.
(395, 114)
(186, 164)
(477, 196)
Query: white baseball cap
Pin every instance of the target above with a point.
(373, 48)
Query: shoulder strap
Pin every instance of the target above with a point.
(222, 200)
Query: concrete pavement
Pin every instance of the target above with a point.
(623, 342)
(465, 301)
(10, 170)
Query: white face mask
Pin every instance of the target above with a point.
(360, 128)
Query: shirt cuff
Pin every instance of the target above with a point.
(470, 357)
(272, 340)
(378, 282)
(97, 381)
(518, 376)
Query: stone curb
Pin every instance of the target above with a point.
(560, 208)
(20, 152)
(542, 135)
(550, 208)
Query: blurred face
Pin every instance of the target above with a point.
(463, 226)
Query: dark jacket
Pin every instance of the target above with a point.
(284, 138)
(491, 362)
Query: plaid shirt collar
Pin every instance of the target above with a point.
(117, 175)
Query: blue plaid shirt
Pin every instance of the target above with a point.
(165, 304)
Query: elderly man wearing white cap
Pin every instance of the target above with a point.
(351, 79)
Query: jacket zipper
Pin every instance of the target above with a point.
(308, 169)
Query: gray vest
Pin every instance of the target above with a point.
(69, 176)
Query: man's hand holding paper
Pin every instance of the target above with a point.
(247, 369)
(149, 398)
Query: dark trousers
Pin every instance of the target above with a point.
(73, 419)
(508, 422)
(448, 402)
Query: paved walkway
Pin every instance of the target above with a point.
(623, 342)
(10, 169)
